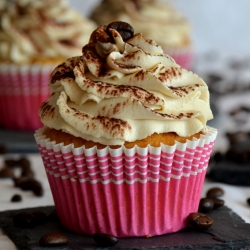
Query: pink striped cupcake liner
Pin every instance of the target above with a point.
(134, 192)
(184, 57)
(22, 91)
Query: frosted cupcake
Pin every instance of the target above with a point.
(125, 143)
(35, 36)
(156, 20)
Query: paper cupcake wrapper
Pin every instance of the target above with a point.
(22, 91)
(184, 57)
(126, 192)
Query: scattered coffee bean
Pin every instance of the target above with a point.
(10, 162)
(3, 150)
(16, 198)
(248, 201)
(215, 192)
(40, 216)
(124, 29)
(27, 172)
(24, 162)
(53, 216)
(24, 220)
(105, 240)
(29, 184)
(6, 172)
(199, 221)
(53, 239)
(206, 205)
(218, 156)
(218, 203)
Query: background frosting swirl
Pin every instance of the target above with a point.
(164, 24)
(41, 29)
(124, 91)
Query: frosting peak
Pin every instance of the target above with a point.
(121, 91)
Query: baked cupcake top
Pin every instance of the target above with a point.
(124, 88)
(36, 30)
(154, 19)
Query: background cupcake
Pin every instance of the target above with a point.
(157, 20)
(35, 36)
(125, 143)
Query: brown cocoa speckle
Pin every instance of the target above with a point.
(47, 110)
(170, 73)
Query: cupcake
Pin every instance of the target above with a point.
(156, 20)
(35, 36)
(125, 143)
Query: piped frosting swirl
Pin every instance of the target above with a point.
(119, 91)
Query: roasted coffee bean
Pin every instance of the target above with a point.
(218, 156)
(206, 205)
(215, 192)
(29, 184)
(124, 29)
(24, 162)
(53, 216)
(53, 239)
(248, 201)
(199, 221)
(105, 240)
(218, 203)
(24, 220)
(40, 216)
(16, 198)
(10, 162)
(3, 150)
(27, 172)
(6, 172)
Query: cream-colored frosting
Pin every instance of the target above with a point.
(156, 20)
(42, 29)
(124, 91)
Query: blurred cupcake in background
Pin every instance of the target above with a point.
(35, 36)
(159, 21)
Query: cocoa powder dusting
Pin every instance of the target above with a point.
(170, 73)
(47, 110)
(64, 70)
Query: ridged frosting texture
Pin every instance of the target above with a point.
(41, 29)
(157, 20)
(124, 91)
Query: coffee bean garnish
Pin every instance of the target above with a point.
(215, 192)
(125, 30)
(206, 205)
(16, 198)
(199, 221)
(6, 172)
(24, 220)
(53, 239)
(105, 240)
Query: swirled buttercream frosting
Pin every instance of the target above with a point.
(157, 20)
(32, 29)
(124, 90)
